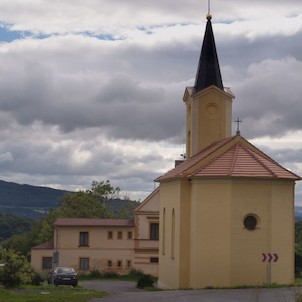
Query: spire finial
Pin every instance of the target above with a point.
(209, 15)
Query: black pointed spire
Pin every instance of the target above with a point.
(208, 72)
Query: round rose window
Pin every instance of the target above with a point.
(250, 222)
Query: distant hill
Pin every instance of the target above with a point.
(26, 200)
(34, 202)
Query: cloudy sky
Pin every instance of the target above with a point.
(92, 90)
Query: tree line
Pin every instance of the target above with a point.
(18, 234)
(92, 203)
(298, 248)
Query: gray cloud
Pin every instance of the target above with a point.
(124, 106)
(76, 108)
(266, 102)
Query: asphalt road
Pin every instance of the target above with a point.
(124, 291)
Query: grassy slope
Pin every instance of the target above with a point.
(49, 294)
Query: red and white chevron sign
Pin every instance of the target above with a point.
(270, 257)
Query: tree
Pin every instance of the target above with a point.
(83, 204)
(20, 243)
(103, 190)
(298, 247)
(92, 203)
(11, 225)
(126, 210)
(16, 270)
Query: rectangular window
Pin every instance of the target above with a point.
(154, 259)
(47, 263)
(84, 239)
(119, 263)
(154, 231)
(109, 263)
(119, 235)
(129, 263)
(109, 235)
(84, 263)
(129, 235)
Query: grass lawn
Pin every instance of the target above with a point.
(48, 294)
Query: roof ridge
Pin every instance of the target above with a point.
(227, 140)
(234, 158)
(262, 153)
(271, 159)
(223, 141)
(259, 161)
(185, 170)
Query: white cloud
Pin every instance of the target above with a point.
(292, 139)
(265, 27)
(118, 16)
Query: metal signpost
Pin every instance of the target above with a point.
(269, 258)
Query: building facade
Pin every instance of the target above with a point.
(104, 245)
(228, 204)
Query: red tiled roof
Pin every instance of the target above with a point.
(44, 246)
(233, 157)
(93, 222)
(180, 171)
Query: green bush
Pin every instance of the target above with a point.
(135, 274)
(111, 275)
(145, 281)
(95, 274)
(16, 269)
(37, 279)
(298, 265)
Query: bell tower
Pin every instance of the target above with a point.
(220, 209)
(208, 103)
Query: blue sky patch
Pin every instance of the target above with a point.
(7, 35)
(106, 37)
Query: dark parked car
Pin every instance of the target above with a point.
(63, 276)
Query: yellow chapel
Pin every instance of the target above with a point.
(227, 211)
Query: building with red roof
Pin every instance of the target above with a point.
(104, 245)
(227, 211)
